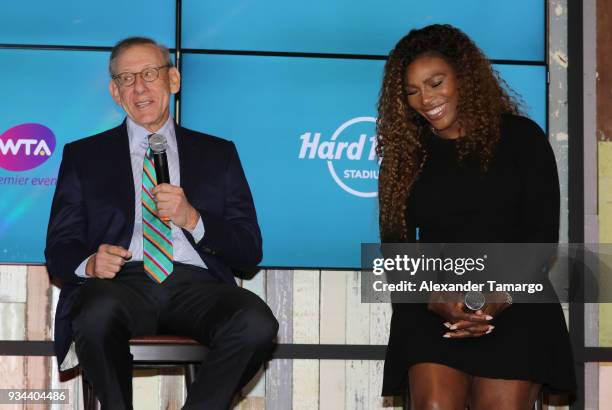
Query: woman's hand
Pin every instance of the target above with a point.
(450, 306)
(496, 303)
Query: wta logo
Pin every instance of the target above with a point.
(350, 154)
(26, 146)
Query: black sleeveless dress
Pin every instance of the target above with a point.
(515, 201)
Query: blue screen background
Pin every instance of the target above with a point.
(264, 103)
(361, 27)
(304, 215)
(65, 91)
(86, 23)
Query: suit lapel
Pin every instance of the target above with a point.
(186, 152)
(120, 148)
(187, 160)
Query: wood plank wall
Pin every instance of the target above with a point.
(603, 135)
(604, 138)
(312, 307)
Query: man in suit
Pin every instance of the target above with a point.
(137, 259)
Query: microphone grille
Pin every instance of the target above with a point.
(158, 143)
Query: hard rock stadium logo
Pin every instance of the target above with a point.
(349, 153)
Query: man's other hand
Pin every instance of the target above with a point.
(173, 204)
(107, 261)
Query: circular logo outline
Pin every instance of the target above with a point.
(330, 164)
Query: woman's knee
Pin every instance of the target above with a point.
(432, 403)
(434, 386)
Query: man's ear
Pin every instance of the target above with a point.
(113, 88)
(175, 80)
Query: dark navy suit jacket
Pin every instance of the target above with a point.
(94, 204)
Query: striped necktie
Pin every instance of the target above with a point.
(157, 234)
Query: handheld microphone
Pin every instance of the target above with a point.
(158, 145)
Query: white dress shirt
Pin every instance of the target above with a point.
(138, 140)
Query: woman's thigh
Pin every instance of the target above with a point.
(500, 394)
(434, 386)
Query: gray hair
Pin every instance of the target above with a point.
(124, 44)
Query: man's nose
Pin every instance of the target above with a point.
(140, 85)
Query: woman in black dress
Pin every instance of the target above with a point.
(459, 164)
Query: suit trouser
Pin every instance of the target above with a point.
(235, 324)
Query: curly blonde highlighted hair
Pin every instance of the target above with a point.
(483, 97)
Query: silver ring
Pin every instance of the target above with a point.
(474, 300)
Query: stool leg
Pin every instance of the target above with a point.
(190, 373)
(539, 402)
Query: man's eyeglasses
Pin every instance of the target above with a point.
(148, 74)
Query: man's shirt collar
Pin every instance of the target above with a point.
(139, 136)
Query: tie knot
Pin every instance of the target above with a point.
(145, 142)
